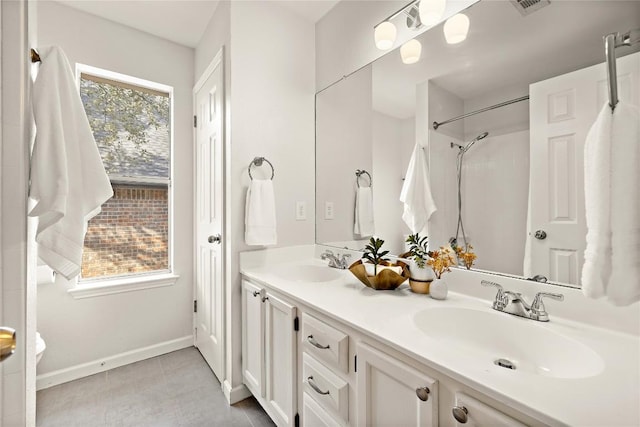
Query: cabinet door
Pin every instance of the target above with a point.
(388, 392)
(253, 338)
(280, 368)
(480, 415)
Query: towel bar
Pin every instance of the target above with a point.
(257, 161)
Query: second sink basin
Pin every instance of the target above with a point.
(530, 347)
(307, 273)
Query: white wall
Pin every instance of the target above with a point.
(270, 111)
(84, 330)
(391, 137)
(344, 141)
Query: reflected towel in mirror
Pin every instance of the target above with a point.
(364, 225)
(416, 192)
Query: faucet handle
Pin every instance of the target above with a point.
(538, 309)
(501, 300)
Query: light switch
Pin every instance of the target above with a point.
(301, 211)
(328, 210)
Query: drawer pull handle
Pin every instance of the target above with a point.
(423, 393)
(315, 387)
(316, 344)
(460, 414)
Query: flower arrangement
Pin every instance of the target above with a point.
(374, 254)
(441, 261)
(466, 256)
(418, 251)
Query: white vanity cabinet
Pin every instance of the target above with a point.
(391, 392)
(331, 374)
(269, 352)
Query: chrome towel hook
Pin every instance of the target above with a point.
(359, 173)
(257, 161)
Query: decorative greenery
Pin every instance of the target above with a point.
(418, 249)
(373, 254)
(441, 261)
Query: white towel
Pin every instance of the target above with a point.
(612, 203)
(68, 180)
(416, 192)
(363, 224)
(260, 214)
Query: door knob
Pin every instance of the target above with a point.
(7, 342)
(460, 413)
(217, 238)
(540, 235)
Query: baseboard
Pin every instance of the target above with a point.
(85, 369)
(235, 394)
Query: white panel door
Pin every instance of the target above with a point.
(562, 110)
(388, 389)
(280, 360)
(209, 210)
(253, 337)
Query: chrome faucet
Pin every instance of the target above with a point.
(513, 303)
(336, 261)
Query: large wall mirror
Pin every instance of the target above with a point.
(521, 185)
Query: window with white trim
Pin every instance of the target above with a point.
(131, 122)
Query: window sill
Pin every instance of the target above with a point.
(109, 287)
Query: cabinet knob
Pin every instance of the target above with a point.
(217, 238)
(423, 393)
(460, 413)
(256, 293)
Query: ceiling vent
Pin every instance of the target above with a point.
(527, 7)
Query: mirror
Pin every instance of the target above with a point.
(523, 179)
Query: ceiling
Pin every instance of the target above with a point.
(181, 21)
(504, 49)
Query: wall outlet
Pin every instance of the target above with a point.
(301, 211)
(328, 210)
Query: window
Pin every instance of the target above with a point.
(131, 123)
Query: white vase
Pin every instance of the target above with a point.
(439, 289)
(421, 274)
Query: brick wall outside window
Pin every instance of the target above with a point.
(130, 235)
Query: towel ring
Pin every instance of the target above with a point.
(359, 173)
(257, 161)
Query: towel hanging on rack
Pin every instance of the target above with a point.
(68, 180)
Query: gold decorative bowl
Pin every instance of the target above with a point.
(385, 280)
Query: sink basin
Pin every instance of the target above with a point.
(526, 345)
(307, 273)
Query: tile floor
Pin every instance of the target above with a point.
(174, 390)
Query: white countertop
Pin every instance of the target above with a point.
(610, 398)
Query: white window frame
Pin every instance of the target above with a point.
(87, 288)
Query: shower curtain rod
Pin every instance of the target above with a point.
(436, 125)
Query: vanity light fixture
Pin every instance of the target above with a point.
(431, 11)
(385, 35)
(456, 28)
(410, 51)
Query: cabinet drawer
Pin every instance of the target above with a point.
(325, 342)
(327, 388)
(314, 416)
